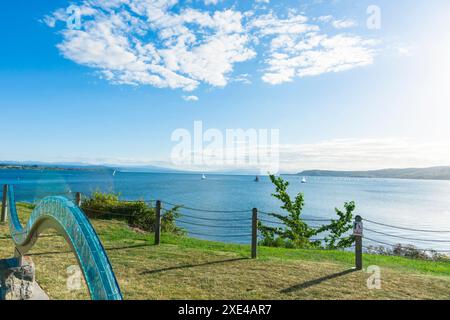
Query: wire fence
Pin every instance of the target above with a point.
(269, 218)
(388, 233)
(391, 245)
(405, 228)
(238, 225)
(206, 210)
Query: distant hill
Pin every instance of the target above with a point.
(41, 166)
(76, 166)
(433, 173)
(147, 169)
(48, 167)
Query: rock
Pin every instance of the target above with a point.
(17, 282)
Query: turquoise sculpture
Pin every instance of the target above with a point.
(63, 215)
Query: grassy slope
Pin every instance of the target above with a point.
(185, 268)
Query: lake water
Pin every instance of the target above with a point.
(413, 204)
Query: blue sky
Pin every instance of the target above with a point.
(380, 100)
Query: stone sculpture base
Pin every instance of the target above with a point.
(17, 281)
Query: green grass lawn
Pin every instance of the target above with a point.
(186, 268)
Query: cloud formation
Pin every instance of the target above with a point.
(166, 45)
(340, 154)
(364, 154)
(190, 98)
(314, 54)
(337, 154)
(338, 23)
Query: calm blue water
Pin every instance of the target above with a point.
(411, 203)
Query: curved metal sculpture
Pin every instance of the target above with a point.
(64, 216)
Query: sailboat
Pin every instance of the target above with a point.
(114, 173)
(257, 179)
(203, 177)
(304, 180)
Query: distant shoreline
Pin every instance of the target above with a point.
(432, 173)
(45, 168)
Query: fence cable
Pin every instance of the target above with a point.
(394, 245)
(213, 219)
(380, 242)
(138, 201)
(406, 238)
(210, 226)
(204, 210)
(206, 219)
(270, 214)
(273, 222)
(283, 224)
(405, 228)
(108, 213)
(220, 235)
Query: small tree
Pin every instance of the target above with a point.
(296, 233)
(338, 228)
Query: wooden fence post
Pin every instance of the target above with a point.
(78, 199)
(158, 223)
(358, 233)
(4, 204)
(254, 233)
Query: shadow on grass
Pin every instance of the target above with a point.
(186, 266)
(107, 249)
(41, 236)
(315, 282)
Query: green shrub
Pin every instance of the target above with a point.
(408, 251)
(138, 214)
(29, 206)
(296, 233)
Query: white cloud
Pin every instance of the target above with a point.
(144, 43)
(213, 2)
(342, 154)
(314, 54)
(243, 78)
(147, 42)
(269, 24)
(364, 154)
(337, 154)
(190, 98)
(344, 24)
(299, 48)
(338, 23)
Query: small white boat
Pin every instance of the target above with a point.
(203, 177)
(304, 180)
(114, 173)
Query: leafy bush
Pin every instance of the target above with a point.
(408, 251)
(29, 206)
(296, 232)
(338, 228)
(138, 214)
